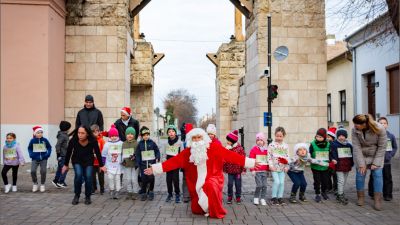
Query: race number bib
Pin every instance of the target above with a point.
(324, 156)
(39, 147)
(127, 152)
(344, 153)
(280, 152)
(115, 149)
(389, 147)
(172, 150)
(10, 154)
(262, 159)
(148, 155)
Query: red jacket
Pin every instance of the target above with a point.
(234, 168)
(253, 154)
(101, 143)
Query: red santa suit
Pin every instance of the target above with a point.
(205, 181)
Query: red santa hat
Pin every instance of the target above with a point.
(188, 127)
(332, 132)
(196, 132)
(126, 111)
(37, 129)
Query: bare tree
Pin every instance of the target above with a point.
(203, 123)
(182, 105)
(361, 12)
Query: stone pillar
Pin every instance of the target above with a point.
(142, 82)
(230, 60)
(98, 54)
(32, 69)
(301, 105)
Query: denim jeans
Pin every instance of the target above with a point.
(237, 179)
(378, 180)
(299, 181)
(261, 185)
(279, 184)
(83, 172)
(60, 177)
(387, 182)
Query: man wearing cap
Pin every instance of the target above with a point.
(89, 115)
(126, 121)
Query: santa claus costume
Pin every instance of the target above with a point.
(203, 162)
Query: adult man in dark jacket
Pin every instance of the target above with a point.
(126, 121)
(89, 115)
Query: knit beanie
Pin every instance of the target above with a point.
(173, 128)
(37, 129)
(332, 132)
(144, 130)
(299, 146)
(233, 136)
(211, 129)
(113, 131)
(260, 136)
(321, 132)
(341, 131)
(65, 125)
(130, 130)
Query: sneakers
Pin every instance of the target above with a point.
(229, 201)
(302, 197)
(7, 188)
(263, 202)
(135, 196)
(169, 198)
(143, 197)
(151, 196)
(274, 201)
(177, 198)
(324, 196)
(14, 188)
(116, 195)
(292, 198)
(129, 196)
(256, 201)
(55, 184)
(75, 201)
(35, 188)
(318, 198)
(341, 199)
(62, 185)
(238, 200)
(88, 201)
(42, 188)
(281, 202)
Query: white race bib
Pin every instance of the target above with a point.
(115, 149)
(389, 147)
(172, 150)
(39, 147)
(324, 156)
(262, 159)
(148, 155)
(10, 154)
(127, 152)
(344, 153)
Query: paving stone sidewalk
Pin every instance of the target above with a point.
(54, 207)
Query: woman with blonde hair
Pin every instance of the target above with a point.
(369, 146)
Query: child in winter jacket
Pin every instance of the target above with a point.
(278, 156)
(342, 156)
(172, 148)
(129, 163)
(39, 149)
(61, 150)
(113, 152)
(147, 153)
(260, 152)
(96, 168)
(12, 158)
(319, 149)
(234, 171)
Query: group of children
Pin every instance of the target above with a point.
(329, 151)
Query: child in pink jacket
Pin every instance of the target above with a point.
(259, 152)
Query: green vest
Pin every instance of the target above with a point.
(320, 153)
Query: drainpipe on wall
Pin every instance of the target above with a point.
(354, 65)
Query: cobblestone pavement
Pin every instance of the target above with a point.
(54, 207)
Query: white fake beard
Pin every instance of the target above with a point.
(198, 152)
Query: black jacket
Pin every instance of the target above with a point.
(121, 127)
(89, 117)
(150, 145)
(82, 155)
(62, 143)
